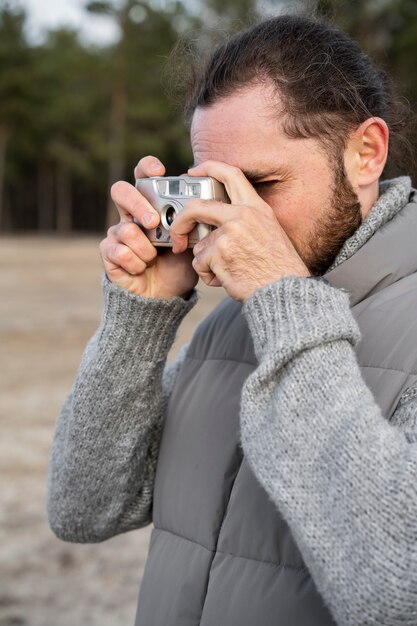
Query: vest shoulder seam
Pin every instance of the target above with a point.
(388, 369)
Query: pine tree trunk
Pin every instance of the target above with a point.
(64, 200)
(4, 137)
(116, 162)
(118, 120)
(45, 197)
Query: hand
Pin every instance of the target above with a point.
(130, 260)
(249, 249)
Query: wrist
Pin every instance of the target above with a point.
(273, 279)
(127, 316)
(294, 314)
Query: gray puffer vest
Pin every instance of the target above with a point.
(220, 552)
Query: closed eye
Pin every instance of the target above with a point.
(265, 184)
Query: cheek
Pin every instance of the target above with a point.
(294, 212)
(299, 207)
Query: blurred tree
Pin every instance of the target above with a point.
(72, 102)
(141, 120)
(118, 80)
(229, 15)
(15, 88)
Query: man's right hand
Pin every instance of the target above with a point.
(130, 260)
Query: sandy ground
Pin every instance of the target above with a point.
(50, 305)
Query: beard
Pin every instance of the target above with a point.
(339, 221)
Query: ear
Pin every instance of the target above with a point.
(368, 145)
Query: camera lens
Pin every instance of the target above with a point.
(170, 215)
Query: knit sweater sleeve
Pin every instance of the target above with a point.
(103, 457)
(342, 475)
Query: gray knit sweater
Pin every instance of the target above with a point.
(106, 442)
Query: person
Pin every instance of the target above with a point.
(277, 455)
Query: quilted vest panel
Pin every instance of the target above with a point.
(221, 554)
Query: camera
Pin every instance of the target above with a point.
(169, 194)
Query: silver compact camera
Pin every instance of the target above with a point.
(169, 194)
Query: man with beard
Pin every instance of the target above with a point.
(277, 456)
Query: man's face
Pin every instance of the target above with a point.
(310, 196)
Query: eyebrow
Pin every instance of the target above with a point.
(255, 175)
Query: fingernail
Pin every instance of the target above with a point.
(156, 165)
(148, 218)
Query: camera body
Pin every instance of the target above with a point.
(169, 194)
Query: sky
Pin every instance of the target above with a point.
(46, 14)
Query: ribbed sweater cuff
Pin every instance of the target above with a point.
(296, 313)
(151, 323)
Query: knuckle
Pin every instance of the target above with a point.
(232, 228)
(152, 253)
(235, 171)
(198, 248)
(246, 212)
(122, 254)
(127, 231)
(196, 263)
(147, 251)
(112, 231)
(136, 242)
(173, 231)
(103, 246)
(229, 227)
(223, 245)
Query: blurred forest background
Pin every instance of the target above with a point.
(75, 117)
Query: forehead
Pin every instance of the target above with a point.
(237, 127)
(245, 130)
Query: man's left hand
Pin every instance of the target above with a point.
(248, 248)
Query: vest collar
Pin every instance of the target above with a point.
(389, 255)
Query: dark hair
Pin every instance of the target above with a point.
(327, 84)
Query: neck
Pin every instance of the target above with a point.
(368, 197)
(392, 196)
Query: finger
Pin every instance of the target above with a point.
(205, 274)
(202, 265)
(149, 166)
(118, 256)
(130, 204)
(133, 237)
(238, 188)
(212, 212)
(202, 246)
